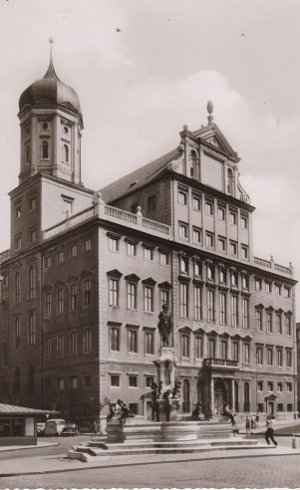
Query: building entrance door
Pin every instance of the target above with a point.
(220, 396)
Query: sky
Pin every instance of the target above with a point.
(144, 68)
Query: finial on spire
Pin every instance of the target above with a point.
(210, 109)
(51, 41)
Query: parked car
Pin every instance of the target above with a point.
(54, 427)
(40, 428)
(70, 430)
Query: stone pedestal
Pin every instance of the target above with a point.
(168, 409)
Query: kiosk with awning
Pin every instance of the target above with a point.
(18, 424)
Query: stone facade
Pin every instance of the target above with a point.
(87, 275)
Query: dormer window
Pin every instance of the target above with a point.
(45, 150)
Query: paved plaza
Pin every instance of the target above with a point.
(252, 472)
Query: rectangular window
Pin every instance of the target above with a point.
(148, 253)
(152, 204)
(113, 243)
(74, 250)
(185, 345)
(148, 299)
(61, 384)
(234, 311)
(258, 284)
(235, 348)
(221, 213)
(222, 244)
(232, 218)
(211, 348)
(233, 248)
(183, 265)
(260, 385)
(87, 292)
(244, 222)
(163, 258)
(196, 202)
(48, 348)
(288, 358)
(269, 356)
(245, 282)
(245, 303)
(199, 347)
(164, 297)
(60, 345)
(209, 240)
(196, 235)
(48, 260)
(269, 322)
(149, 342)
(60, 301)
(246, 353)
(210, 305)
(279, 357)
(74, 297)
(47, 305)
(287, 292)
(209, 208)
(115, 380)
(74, 382)
(222, 308)
(224, 349)
(18, 242)
(17, 289)
(278, 289)
(182, 197)
(114, 333)
(258, 318)
(222, 276)
(268, 287)
(31, 280)
(73, 343)
(270, 385)
(87, 341)
(183, 291)
(132, 341)
(234, 279)
(279, 386)
(131, 295)
(32, 236)
(113, 292)
(133, 381)
(149, 381)
(288, 325)
(32, 329)
(289, 387)
(131, 249)
(197, 302)
(198, 269)
(183, 231)
(259, 355)
(17, 332)
(87, 245)
(244, 250)
(60, 257)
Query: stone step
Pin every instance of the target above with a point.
(171, 444)
(92, 454)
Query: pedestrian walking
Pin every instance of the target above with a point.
(269, 434)
(253, 422)
(248, 425)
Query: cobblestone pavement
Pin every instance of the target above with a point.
(255, 472)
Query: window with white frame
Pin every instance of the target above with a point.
(183, 230)
(132, 340)
(196, 235)
(209, 208)
(269, 356)
(114, 335)
(210, 305)
(268, 287)
(199, 346)
(279, 357)
(196, 202)
(164, 297)
(232, 217)
(113, 243)
(131, 295)
(244, 222)
(182, 197)
(234, 311)
(209, 239)
(183, 300)
(148, 253)
(233, 248)
(148, 299)
(246, 348)
(131, 249)
(245, 305)
(269, 321)
(149, 342)
(258, 319)
(288, 324)
(114, 380)
(183, 264)
(197, 302)
(163, 258)
(222, 244)
(185, 345)
(221, 213)
(288, 357)
(259, 355)
(222, 308)
(245, 251)
(113, 291)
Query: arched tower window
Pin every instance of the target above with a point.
(31, 282)
(194, 169)
(45, 150)
(17, 380)
(66, 153)
(230, 182)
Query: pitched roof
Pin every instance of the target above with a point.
(6, 409)
(137, 179)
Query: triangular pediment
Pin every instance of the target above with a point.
(212, 135)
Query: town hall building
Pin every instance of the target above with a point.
(87, 274)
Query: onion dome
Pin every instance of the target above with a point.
(50, 91)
